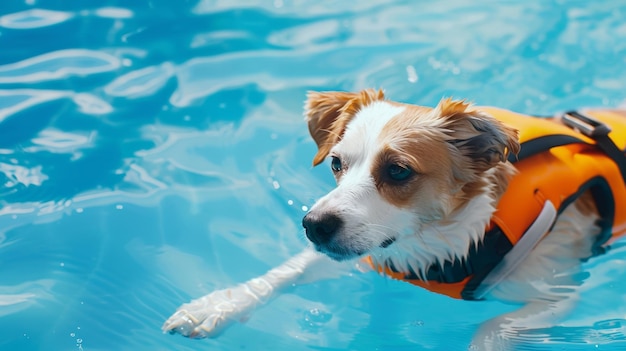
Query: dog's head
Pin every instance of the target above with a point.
(398, 167)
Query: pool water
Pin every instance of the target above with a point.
(153, 151)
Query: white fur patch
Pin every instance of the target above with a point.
(369, 219)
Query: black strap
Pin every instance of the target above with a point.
(599, 132)
(543, 143)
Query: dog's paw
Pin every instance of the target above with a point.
(210, 314)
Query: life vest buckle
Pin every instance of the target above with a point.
(599, 132)
(586, 125)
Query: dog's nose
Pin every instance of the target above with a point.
(321, 228)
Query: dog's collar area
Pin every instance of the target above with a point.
(479, 262)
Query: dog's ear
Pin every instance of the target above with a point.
(328, 113)
(477, 135)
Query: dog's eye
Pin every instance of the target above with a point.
(399, 172)
(335, 164)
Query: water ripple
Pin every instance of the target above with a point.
(17, 174)
(16, 100)
(58, 65)
(58, 141)
(276, 70)
(91, 104)
(14, 298)
(114, 12)
(294, 8)
(142, 82)
(34, 18)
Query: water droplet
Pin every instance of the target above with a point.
(62, 264)
(119, 207)
(289, 202)
(79, 210)
(315, 318)
(412, 74)
(304, 208)
(417, 323)
(276, 185)
(72, 334)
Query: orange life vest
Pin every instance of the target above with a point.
(558, 161)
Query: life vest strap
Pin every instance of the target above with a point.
(543, 143)
(540, 227)
(599, 132)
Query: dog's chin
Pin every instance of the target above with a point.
(340, 253)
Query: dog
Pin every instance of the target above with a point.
(445, 198)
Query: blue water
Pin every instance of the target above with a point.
(153, 151)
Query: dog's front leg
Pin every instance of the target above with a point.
(210, 314)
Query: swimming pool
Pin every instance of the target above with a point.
(151, 153)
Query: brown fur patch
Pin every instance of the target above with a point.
(478, 135)
(406, 141)
(427, 161)
(450, 148)
(328, 114)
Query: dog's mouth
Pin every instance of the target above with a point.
(387, 242)
(337, 253)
